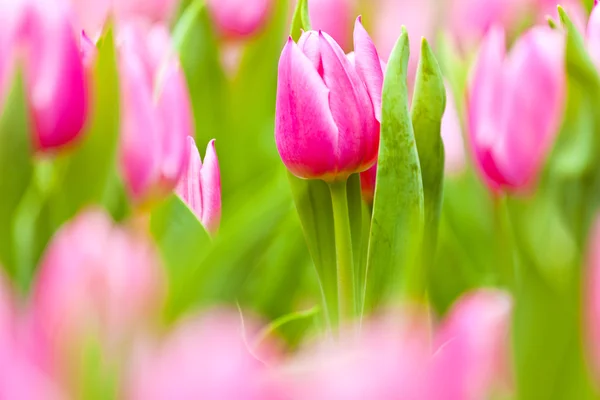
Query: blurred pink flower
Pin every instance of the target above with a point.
(156, 114)
(334, 17)
(515, 106)
(454, 147)
(200, 185)
(38, 36)
(238, 19)
(325, 125)
(96, 280)
(593, 35)
(207, 357)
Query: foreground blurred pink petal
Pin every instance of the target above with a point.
(515, 106)
(96, 280)
(39, 36)
(237, 19)
(334, 17)
(156, 112)
(325, 126)
(200, 185)
(205, 357)
(471, 348)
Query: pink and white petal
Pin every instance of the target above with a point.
(368, 65)
(210, 182)
(189, 186)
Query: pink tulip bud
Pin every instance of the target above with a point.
(39, 37)
(200, 185)
(98, 281)
(204, 358)
(593, 35)
(334, 17)
(238, 19)
(156, 113)
(325, 126)
(515, 106)
(471, 348)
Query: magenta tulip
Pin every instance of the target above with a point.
(40, 39)
(200, 185)
(96, 281)
(208, 357)
(325, 126)
(515, 106)
(237, 19)
(156, 113)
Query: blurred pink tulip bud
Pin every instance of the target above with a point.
(204, 358)
(156, 113)
(326, 126)
(237, 19)
(472, 347)
(96, 280)
(334, 17)
(593, 35)
(515, 106)
(454, 147)
(39, 37)
(592, 299)
(200, 185)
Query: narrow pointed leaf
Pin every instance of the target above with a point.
(301, 19)
(397, 222)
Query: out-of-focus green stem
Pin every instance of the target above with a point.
(343, 247)
(504, 251)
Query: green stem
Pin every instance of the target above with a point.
(343, 248)
(504, 255)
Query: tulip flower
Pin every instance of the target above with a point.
(40, 39)
(455, 161)
(593, 35)
(238, 19)
(206, 357)
(156, 113)
(200, 185)
(515, 106)
(325, 126)
(96, 280)
(334, 17)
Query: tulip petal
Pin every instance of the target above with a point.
(593, 35)
(189, 186)
(368, 65)
(305, 131)
(210, 183)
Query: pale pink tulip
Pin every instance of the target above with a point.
(200, 185)
(325, 126)
(96, 281)
(156, 114)
(334, 17)
(454, 147)
(38, 36)
(207, 357)
(237, 19)
(515, 106)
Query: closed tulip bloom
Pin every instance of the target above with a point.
(515, 106)
(156, 113)
(38, 36)
(325, 125)
(96, 280)
(237, 19)
(200, 185)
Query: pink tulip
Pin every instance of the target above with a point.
(471, 348)
(515, 106)
(209, 357)
(156, 113)
(334, 17)
(38, 36)
(236, 19)
(325, 126)
(593, 35)
(454, 148)
(200, 185)
(98, 281)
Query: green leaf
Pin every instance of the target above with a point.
(359, 245)
(195, 41)
(429, 102)
(313, 203)
(398, 210)
(301, 20)
(284, 321)
(182, 242)
(15, 165)
(91, 173)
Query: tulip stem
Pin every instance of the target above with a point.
(343, 248)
